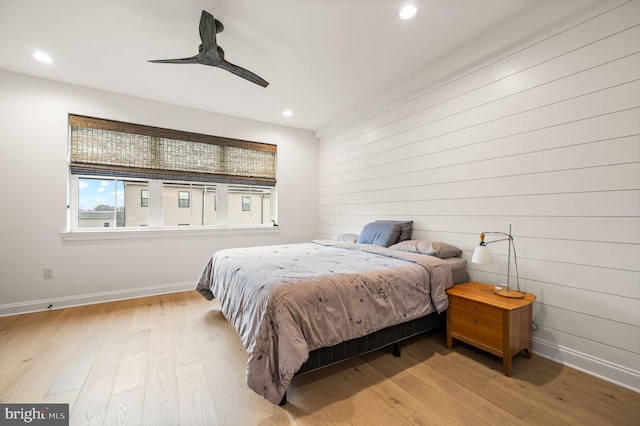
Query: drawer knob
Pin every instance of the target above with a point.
(474, 321)
(474, 308)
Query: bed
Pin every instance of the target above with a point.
(299, 307)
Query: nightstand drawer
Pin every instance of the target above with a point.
(479, 309)
(476, 328)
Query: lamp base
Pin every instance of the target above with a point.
(508, 293)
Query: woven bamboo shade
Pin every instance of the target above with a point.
(113, 148)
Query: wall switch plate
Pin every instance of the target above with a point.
(48, 273)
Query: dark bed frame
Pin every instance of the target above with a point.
(393, 335)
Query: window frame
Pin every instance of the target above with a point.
(184, 203)
(246, 206)
(92, 165)
(155, 226)
(73, 203)
(143, 198)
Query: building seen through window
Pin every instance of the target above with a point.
(118, 203)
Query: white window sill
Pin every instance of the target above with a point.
(150, 233)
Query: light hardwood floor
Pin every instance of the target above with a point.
(174, 359)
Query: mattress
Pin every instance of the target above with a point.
(458, 269)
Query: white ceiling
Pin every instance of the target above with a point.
(322, 58)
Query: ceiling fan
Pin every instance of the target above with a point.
(209, 53)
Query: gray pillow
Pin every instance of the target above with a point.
(379, 233)
(405, 228)
(437, 249)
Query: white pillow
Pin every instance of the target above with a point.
(347, 238)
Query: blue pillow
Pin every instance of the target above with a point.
(382, 234)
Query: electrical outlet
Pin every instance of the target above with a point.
(48, 273)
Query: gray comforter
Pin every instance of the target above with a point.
(288, 300)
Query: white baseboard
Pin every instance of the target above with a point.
(89, 299)
(605, 370)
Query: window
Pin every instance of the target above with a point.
(188, 204)
(104, 202)
(128, 175)
(100, 203)
(183, 198)
(242, 198)
(144, 198)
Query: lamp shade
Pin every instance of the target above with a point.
(481, 255)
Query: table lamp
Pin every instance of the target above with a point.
(482, 256)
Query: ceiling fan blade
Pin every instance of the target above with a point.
(246, 74)
(209, 27)
(191, 60)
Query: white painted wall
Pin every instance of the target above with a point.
(33, 172)
(545, 137)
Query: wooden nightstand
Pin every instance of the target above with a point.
(496, 324)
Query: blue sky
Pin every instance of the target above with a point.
(92, 192)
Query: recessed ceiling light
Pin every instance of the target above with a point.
(408, 12)
(42, 57)
(287, 113)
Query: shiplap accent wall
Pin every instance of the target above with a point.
(545, 137)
